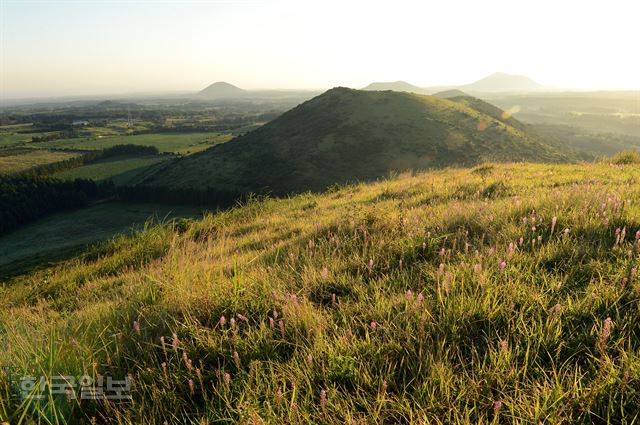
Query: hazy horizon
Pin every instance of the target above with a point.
(66, 48)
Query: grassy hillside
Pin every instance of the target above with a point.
(499, 294)
(346, 135)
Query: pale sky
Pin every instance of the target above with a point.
(53, 48)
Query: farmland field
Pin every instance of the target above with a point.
(183, 143)
(121, 170)
(20, 159)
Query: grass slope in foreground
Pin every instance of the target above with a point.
(500, 294)
(348, 135)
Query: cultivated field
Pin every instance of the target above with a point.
(20, 159)
(165, 142)
(121, 170)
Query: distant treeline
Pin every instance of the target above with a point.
(24, 199)
(67, 134)
(89, 157)
(163, 195)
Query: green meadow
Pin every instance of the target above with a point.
(64, 234)
(182, 143)
(121, 170)
(20, 159)
(495, 294)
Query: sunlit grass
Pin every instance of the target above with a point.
(501, 294)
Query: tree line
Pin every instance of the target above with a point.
(89, 157)
(26, 198)
(32, 194)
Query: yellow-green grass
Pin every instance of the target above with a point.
(20, 159)
(9, 139)
(121, 170)
(411, 300)
(55, 236)
(183, 143)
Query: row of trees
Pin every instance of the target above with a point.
(24, 199)
(87, 158)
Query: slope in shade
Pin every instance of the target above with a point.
(346, 135)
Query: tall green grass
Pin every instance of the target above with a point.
(506, 294)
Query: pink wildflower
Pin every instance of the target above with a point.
(323, 399)
(324, 273)
(373, 325)
(174, 342)
(504, 345)
(503, 265)
(606, 332)
(136, 326)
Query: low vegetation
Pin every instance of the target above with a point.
(500, 294)
(626, 158)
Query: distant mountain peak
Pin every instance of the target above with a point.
(395, 86)
(222, 89)
(503, 82)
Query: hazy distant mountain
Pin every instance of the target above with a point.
(448, 94)
(501, 82)
(222, 90)
(495, 83)
(345, 135)
(395, 86)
